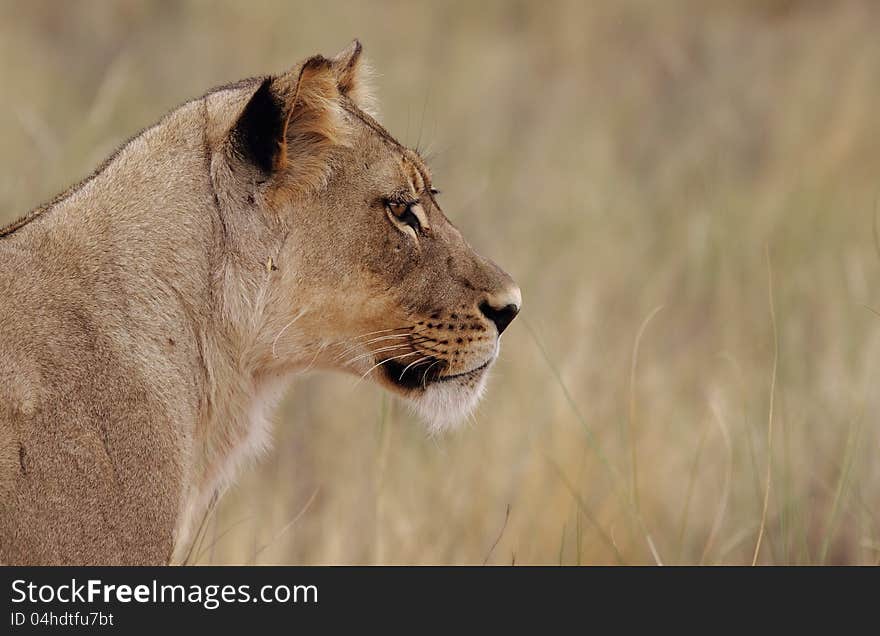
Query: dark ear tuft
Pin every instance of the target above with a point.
(259, 133)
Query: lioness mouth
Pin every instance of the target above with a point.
(414, 376)
(425, 373)
(465, 374)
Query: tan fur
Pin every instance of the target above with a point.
(151, 315)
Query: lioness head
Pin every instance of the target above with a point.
(340, 231)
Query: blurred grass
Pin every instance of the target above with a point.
(614, 157)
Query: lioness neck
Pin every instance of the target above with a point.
(146, 241)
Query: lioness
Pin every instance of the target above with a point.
(151, 316)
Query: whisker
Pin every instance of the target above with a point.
(368, 342)
(425, 375)
(371, 353)
(283, 329)
(381, 349)
(370, 333)
(314, 358)
(379, 364)
(422, 359)
(380, 338)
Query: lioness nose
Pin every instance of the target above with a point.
(502, 308)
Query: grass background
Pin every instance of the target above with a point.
(615, 157)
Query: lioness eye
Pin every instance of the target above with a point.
(404, 213)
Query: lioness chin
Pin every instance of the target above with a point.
(151, 315)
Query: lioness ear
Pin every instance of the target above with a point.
(292, 120)
(352, 75)
(295, 113)
(259, 132)
(345, 63)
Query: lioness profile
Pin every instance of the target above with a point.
(151, 316)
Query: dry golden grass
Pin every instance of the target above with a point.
(615, 157)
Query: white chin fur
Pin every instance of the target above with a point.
(445, 405)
